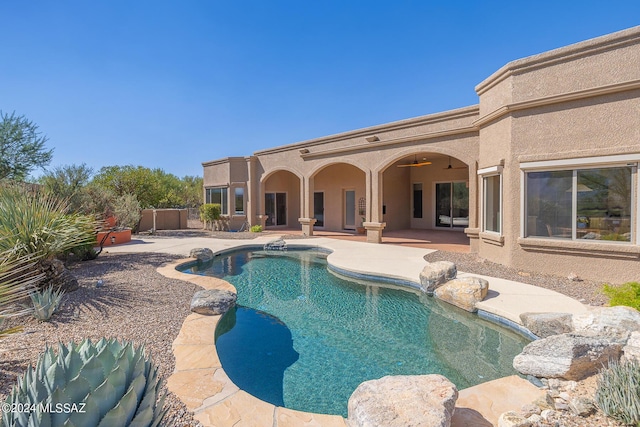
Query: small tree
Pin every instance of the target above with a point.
(209, 213)
(21, 147)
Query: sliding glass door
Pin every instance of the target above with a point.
(452, 205)
(275, 207)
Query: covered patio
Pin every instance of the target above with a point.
(443, 240)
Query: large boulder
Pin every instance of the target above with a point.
(632, 349)
(464, 293)
(435, 274)
(405, 400)
(544, 325)
(201, 254)
(567, 356)
(616, 321)
(211, 302)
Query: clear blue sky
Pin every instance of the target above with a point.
(173, 84)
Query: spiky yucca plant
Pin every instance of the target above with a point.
(618, 391)
(18, 277)
(35, 222)
(111, 383)
(46, 302)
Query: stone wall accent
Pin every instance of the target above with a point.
(211, 302)
(201, 254)
(566, 356)
(464, 293)
(434, 274)
(547, 324)
(405, 400)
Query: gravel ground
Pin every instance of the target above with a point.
(135, 304)
(585, 291)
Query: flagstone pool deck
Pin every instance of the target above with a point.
(201, 383)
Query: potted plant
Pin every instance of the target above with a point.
(360, 229)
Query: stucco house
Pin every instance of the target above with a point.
(541, 174)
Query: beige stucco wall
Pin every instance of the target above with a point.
(569, 103)
(166, 219)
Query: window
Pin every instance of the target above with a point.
(219, 196)
(589, 203)
(417, 200)
(492, 194)
(239, 201)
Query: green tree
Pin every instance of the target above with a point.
(154, 188)
(70, 182)
(137, 180)
(191, 193)
(21, 147)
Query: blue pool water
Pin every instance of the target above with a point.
(303, 338)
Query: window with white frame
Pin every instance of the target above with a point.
(491, 199)
(582, 203)
(219, 196)
(492, 203)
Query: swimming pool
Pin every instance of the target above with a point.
(304, 338)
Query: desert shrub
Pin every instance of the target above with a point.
(256, 228)
(209, 213)
(127, 211)
(17, 278)
(618, 391)
(46, 302)
(626, 294)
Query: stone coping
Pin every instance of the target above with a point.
(201, 384)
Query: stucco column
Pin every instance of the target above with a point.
(260, 210)
(473, 230)
(252, 203)
(262, 220)
(306, 197)
(374, 225)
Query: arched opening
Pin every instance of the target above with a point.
(426, 191)
(339, 197)
(281, 199)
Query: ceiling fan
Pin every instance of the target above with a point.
(415, 163)
(454, 167)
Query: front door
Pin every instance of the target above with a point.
(349, 209)
(318, 208)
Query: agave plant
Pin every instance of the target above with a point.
(46, 302)
(618, 391)
(109, 383)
